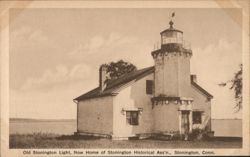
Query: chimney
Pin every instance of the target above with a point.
(194, 78)
(103, 75)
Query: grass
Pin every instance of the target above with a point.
(43, 140)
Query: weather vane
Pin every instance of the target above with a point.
(172, 15)
(171, 20)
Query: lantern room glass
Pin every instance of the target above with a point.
(172, 37)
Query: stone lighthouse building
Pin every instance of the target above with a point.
(162, 99)
(172, 80)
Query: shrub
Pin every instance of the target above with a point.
(197, 134)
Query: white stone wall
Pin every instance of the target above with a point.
(166, 117)
(166, 75)
(96, 115)
(201, 103)
(132, 97)
(184, 76)
(172, 75)
(105, 115)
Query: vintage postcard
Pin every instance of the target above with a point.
(124, 78)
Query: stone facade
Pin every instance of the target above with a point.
(95, 116)
(107, 115)
(172, 74)
(133, 97)
(124, 108)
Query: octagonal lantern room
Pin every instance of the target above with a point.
(172, 35)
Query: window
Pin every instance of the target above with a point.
(197, 117)
(132, 117)
(149, 87)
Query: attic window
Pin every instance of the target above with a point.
(197, 117)
(149, 87)
(132, 117)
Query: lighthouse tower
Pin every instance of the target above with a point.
(172, 64)
(172, 82)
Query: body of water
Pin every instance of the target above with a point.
(24, 126)
(227, 127)
(221, 127)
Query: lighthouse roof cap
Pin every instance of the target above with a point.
(171, 28)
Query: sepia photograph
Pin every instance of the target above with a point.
(125, 78)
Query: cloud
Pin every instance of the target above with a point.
(99, 43)
(37, 36)
(54, 89)
(112, 48)
(113, 38)
(52, 104)
(96, 42)
(220, 60)
(26, 35)
(61, 75)
(80, 71)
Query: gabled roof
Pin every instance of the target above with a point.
(201, 89)
(112, 85)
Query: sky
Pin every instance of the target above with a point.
(55, 53)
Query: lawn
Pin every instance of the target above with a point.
(41, 140)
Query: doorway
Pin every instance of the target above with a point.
(185, 121)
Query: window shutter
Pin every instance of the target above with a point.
(149, 87)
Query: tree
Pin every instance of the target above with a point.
(119, 68)
(236, 85)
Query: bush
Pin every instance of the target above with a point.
(197, 134)
(177, 136)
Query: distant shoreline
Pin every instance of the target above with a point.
(40, 120)
(225, 119)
